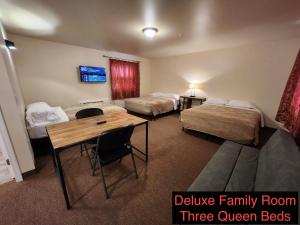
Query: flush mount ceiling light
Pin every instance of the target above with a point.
(150, 31)
(10, 45)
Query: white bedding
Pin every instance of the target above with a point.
(175, 102)
(170, 96)
(251, 109)
(262, 121)
(105, 107)
(38, 130)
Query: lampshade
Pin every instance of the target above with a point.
(194, 86)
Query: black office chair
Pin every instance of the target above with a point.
(89, 112)
(113, 145)
(84, 113)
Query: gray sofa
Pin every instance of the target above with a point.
(235, 167)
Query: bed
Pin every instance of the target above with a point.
(234, 122)
(37, 127)
(40, 114)
(153, 104)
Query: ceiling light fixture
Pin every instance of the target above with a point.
(10, 45)
(150, 32)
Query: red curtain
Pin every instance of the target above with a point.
(288, 112)
(125, 79)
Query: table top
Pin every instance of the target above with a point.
(193, 97)
(76, 131)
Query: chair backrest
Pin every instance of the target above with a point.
(84, 113)
(115, 139)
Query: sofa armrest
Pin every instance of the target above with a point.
(216, 174)
(244, 173)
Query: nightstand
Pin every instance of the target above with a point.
(188, 100)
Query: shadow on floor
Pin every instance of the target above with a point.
(264, 135)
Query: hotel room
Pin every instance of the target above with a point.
(107, 108)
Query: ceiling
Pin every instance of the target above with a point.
(185, 26)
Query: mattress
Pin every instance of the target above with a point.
(235, 124)
(105, 107)
(39, 130)
(151, 105)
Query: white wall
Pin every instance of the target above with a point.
(257, 73)
(48, 71)
(12, 108)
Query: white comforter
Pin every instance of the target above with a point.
(251, 109)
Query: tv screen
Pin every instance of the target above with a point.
(91, 74)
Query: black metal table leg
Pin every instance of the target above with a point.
(53, 154)
(145, 151)
(53, 159)
(147, 141)
(61, 178)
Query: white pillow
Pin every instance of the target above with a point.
(156, 94)
(40, 117)
(170, 95)
(40, 112)
(166, 95)
(38, 107)
(241, 104)
(216, 101)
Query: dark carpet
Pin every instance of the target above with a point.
(175, 159)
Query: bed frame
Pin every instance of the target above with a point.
(152, 117)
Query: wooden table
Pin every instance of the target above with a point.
(188, 100)
(67, 134)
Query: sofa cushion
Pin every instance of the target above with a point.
(216, 174)
(244, 173)
(279, 164)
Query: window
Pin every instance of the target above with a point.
(125, 79)
(289, 108)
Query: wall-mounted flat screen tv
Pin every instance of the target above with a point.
(91, 74)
